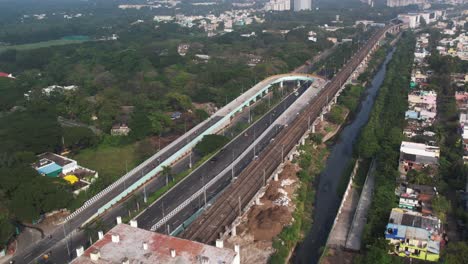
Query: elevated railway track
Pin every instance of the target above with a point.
(228, 206)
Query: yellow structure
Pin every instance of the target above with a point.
(72, 179)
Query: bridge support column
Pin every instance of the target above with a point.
(313, 128)
(329, 107)
(281, 84)
(79, 252)
(298, 83)
(234, 230)
(275, 178)
(335, 99)
(321, 117)
(257, 200)
(119, 220)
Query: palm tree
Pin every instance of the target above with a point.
(166, 171)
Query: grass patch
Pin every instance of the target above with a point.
(111, 162)
(44, 44)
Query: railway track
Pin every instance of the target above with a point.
(208, 227)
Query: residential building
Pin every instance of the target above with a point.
(278, 5)
(300, 5)
(416, 198)
(54, 165)
(397, 3)
(6, 75)
(130, 244)
(120, 129)
(419, 153)
(414, 235)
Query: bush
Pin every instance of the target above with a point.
(210, 143)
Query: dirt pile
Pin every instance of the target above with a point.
(268, 223)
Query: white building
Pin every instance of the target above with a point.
(302, 5)
(278, 5)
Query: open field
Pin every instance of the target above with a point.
(110, 162)
(44, 44)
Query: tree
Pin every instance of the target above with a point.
(456, 253)
(210, 143)
(441, 207)
(79, 137)
(178, 101)
(6, 228)
(159, 122)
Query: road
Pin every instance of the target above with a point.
(222, 213)
(196, 180)
(63, 250)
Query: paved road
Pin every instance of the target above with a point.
(27, 255)
(63, 250)
(197, 179)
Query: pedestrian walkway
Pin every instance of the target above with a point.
(353, 241)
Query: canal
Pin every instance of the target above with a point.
(327, 201)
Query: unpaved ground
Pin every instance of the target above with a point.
(265, 221)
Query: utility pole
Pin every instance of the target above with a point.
(190, 160)
(66, 240)
(240, 206)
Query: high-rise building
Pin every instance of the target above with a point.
(369, 2)
(302, 5)
(396, 3)
(278, 5)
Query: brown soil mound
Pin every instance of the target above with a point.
(272, 191)
(268, 223)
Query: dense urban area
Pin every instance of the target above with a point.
(234, 131)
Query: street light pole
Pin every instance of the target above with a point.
(66, 240)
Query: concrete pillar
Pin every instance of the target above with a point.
(79, 251)
(237, 257)
(281, 84)
(133, 223)
(257, 200)
(275, 178)
(321, 117)
(313, 128)
(335, 99)
(219, 243)
(329, 107)
(119, 220)
(234, 230)
(100, 235)
(298, 83)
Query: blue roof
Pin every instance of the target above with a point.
(52, 167)
(398, 231)
(412, 115)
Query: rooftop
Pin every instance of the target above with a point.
(159, 249)
(419, 149)
(60, 160)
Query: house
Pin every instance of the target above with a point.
(54, 166)
(130, 244)
(120, 129)
(51, 164)
(6, 75)
(414, 235)
(417, 198)
(419, 153)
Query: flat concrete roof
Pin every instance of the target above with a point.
(159, 246)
